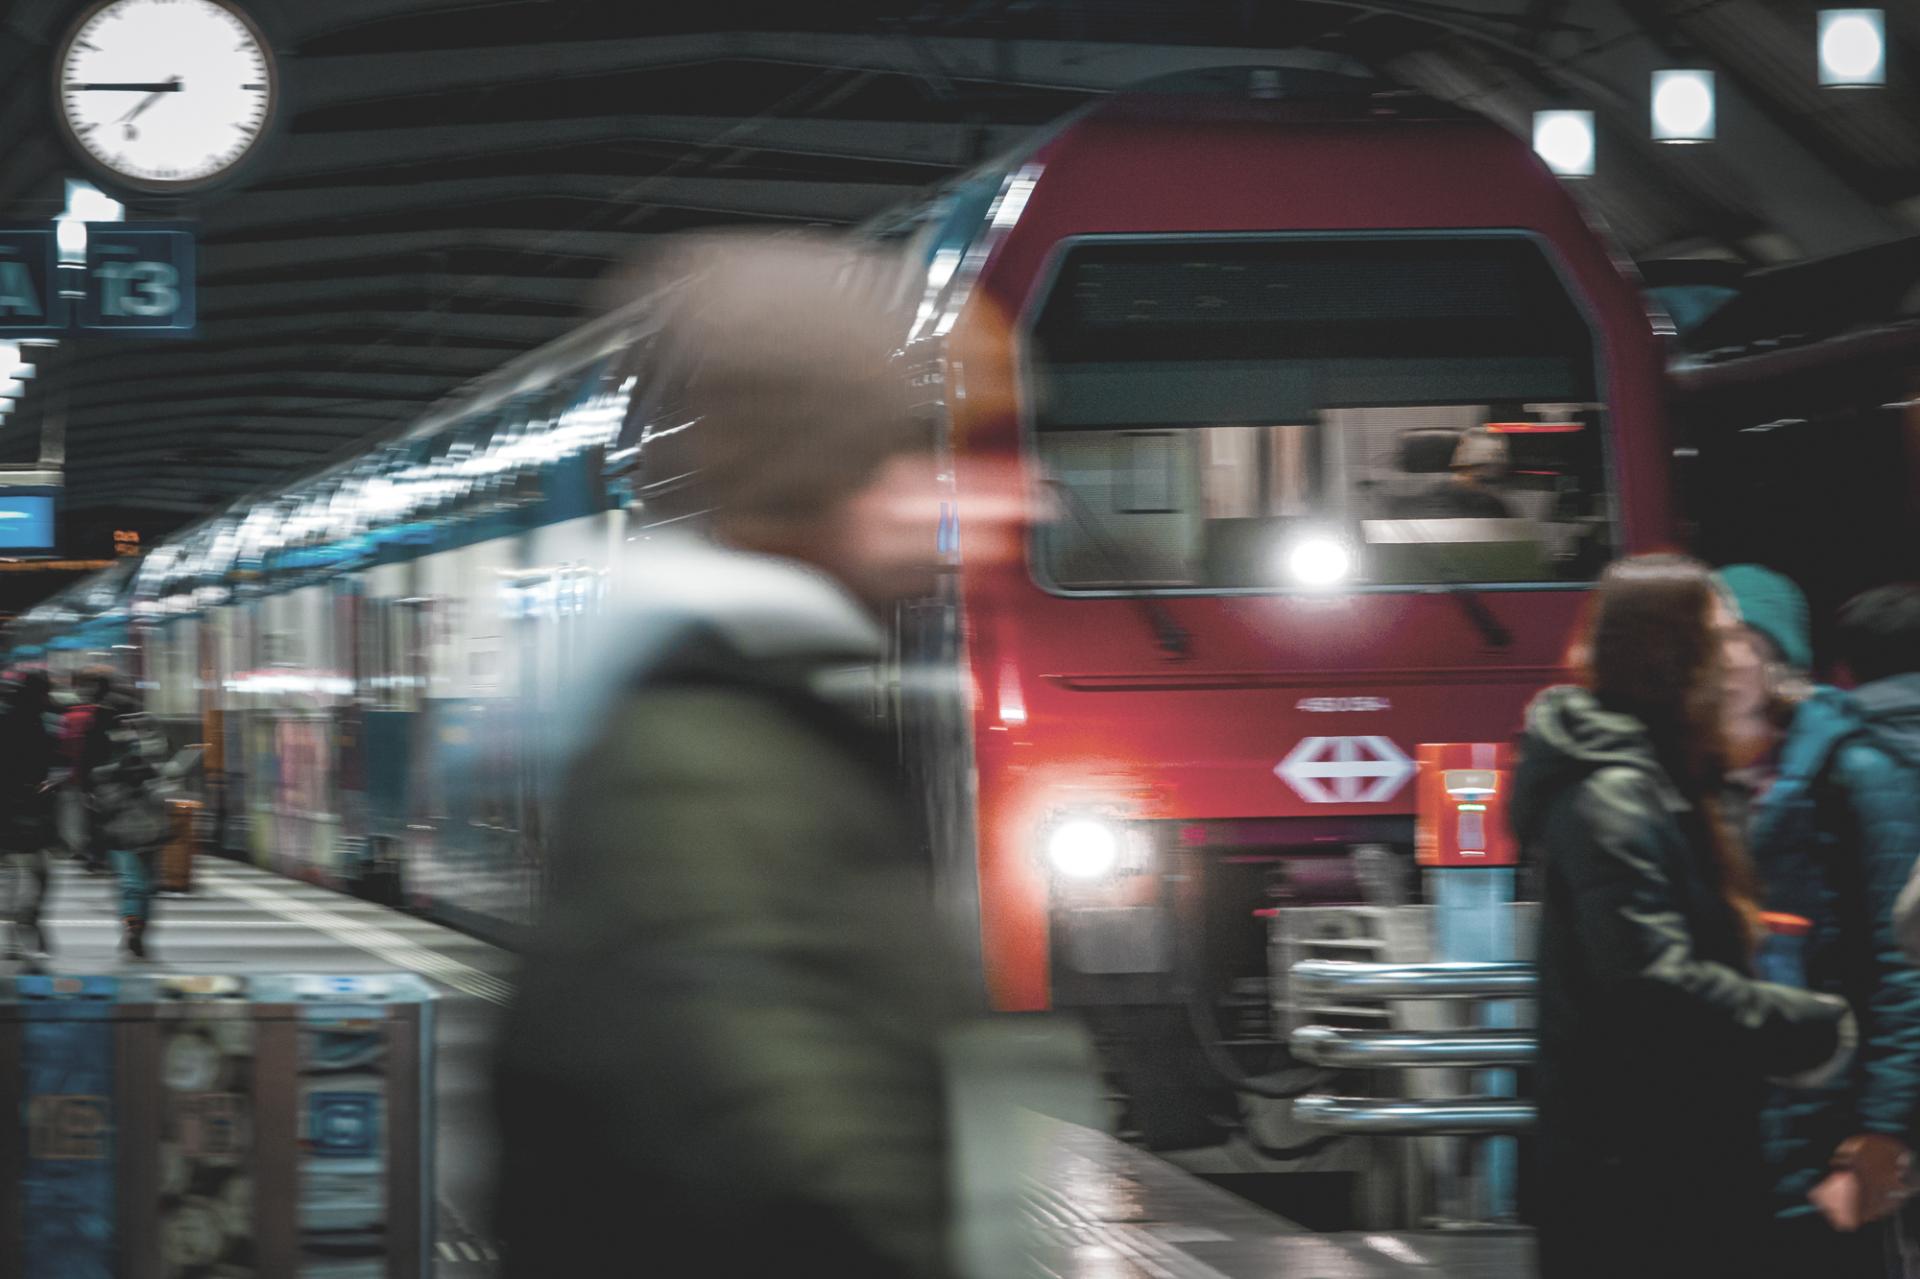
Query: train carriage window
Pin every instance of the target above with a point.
(1433, 400)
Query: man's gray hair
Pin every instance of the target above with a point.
(774, 390)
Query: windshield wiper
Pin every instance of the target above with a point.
(1172, 638)
(1490, 627)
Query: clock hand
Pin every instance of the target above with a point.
(164, 86)
(145, 102)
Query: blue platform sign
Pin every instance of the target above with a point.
(30, 301)
(139, 279)
(26, 521)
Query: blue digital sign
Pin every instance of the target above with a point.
(26, 522)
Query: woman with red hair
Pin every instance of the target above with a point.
(1655, 1038)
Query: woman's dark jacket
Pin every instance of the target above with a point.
(1654, 1040)
(1835, 838)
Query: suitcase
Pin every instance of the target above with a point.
(239, 1126)
(174, 874)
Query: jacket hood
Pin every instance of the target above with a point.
(1890, 710)
(1568, 736)
(683, 599)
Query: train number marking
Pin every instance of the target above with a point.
(1336, 705)
(1345, 770)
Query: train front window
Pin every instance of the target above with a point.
(1250, 414)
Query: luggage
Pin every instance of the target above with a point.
(175, 871)
(239, 1126)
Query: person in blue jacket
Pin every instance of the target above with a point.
(1835, 833)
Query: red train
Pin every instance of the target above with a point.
(1342, 404)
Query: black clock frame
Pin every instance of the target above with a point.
(115, 182)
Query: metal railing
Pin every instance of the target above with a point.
(1368, 1116)
(1453, 980)
(1388, 1049)
(1412, 1049)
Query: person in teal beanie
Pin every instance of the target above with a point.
(1825, 850)
(1770, 604)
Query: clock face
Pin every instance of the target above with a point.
(165, 94)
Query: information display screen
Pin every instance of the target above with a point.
(26, 522)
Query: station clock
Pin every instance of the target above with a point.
(164, 96)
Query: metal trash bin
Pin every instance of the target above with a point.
(235, 1125)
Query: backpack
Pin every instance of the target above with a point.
(130, 787)
(1796, 831)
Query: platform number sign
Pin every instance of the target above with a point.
(138, 278)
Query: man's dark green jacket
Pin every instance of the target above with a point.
(724, 1044)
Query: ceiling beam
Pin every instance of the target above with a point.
(236, 407)
(463, 362)
(304, 22)
(290, 296)
(325, 434)
(91, 501)
(1085, 65)
(371, 327)
(158, 471)
(939, 143)
(218, 259)
(114, 433)
(760, 197)
(161, 393)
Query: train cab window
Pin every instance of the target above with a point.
(1201, 405)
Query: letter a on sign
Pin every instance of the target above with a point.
(19, 300)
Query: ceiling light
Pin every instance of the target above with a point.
(1564, 139)
(1853, 48)
(1683, 106)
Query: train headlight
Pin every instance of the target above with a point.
(1084, 848)
(1319, 560)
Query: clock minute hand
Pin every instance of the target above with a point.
(163, 86)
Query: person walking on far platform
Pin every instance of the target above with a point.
(1655, 1040)
(83, 741)
(726, 1032)
(128, 782)
(26, 808)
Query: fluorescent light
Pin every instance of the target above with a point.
(11, 361)
(1682, 103)
(1853, 48)
(1564, 139)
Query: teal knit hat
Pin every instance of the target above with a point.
(1771, 604)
